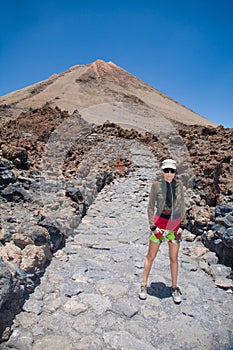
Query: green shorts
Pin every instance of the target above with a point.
(165, 235)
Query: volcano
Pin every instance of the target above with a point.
(103, 91)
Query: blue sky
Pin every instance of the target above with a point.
(184, 48)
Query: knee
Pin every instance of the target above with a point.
(174, 259)
(150, 258)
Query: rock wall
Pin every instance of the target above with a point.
(210, 216)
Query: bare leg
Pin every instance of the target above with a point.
(173, 255)
(152, 252)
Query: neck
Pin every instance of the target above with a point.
(169, 181)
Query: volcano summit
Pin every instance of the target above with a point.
(103, 91)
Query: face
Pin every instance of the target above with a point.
(169, 175)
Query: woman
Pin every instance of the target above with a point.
(166, 224)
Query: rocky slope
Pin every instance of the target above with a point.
(54, 162)
(102, 91)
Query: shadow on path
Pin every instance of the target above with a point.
(159, 290)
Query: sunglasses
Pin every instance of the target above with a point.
(169, 170)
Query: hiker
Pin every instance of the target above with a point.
(166, 224)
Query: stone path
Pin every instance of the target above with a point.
(88, 296)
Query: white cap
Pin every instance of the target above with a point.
(169, 163)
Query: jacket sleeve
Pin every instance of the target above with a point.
(151, 203)
(183, 208)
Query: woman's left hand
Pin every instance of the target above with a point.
(178, 235)
(179, 231)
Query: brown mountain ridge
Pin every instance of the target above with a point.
(103, 91)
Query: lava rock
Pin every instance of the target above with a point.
(15, 193)
(227, 237)
(222, 210)
(223, 221)
(75, 194)
(54, 229)
(6, 282)
(101, 181)
(7, 177)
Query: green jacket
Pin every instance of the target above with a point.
(158, 199)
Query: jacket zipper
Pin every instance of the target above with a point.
(172, 202)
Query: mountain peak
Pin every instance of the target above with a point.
(102, 62)
(104, 91)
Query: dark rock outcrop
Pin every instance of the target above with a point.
(219, 234)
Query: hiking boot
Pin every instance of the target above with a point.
(143, 292)
(176, 295)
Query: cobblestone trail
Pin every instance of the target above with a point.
(88, 296)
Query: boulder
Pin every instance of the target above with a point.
(56, 237)
(18, 155)
(15, 193)
(227, 237)
(6, 282)
(10, 252)
(222, 210)
(75, 194)
(34, 258)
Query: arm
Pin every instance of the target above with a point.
(182, 209)
(151, 204)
